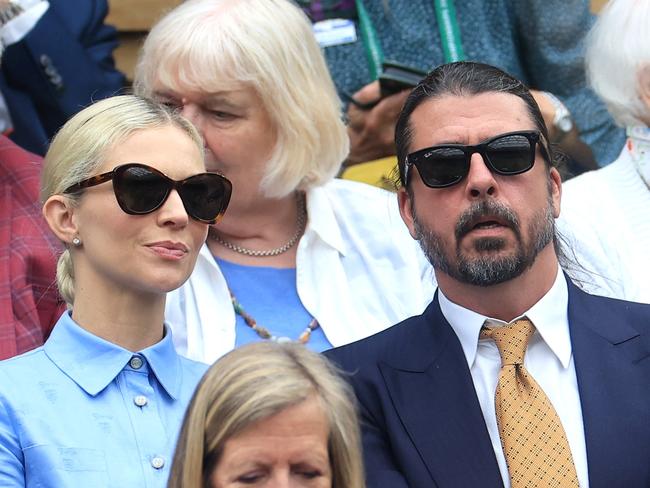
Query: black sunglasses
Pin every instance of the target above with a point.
(507, 154)
(141, 189)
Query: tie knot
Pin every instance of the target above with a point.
(511, 340)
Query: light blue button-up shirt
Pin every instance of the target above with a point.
(81, 411)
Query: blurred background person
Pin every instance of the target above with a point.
(538, 42)
(290, 423)
(607, 212)
(100, 404)
(300, 256)
(57, 57)
(30, 303)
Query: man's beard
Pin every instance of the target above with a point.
(491, 266)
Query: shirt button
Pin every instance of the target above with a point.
(136, 362)
(157, 462)
(140, 400)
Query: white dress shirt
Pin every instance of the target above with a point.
(358, 271)
(548, 359)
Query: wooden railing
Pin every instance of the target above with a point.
(133, 19)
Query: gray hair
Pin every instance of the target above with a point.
(214, 45)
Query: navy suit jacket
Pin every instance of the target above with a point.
(63, 64)
(422, 424)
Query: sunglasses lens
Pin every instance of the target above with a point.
(139, 190)
(206, 196)
(511, 154)
(441, 166)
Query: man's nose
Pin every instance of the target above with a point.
(480, 179)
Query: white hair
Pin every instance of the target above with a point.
(617, 47)
(215, 45)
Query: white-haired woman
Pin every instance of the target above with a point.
(100, 404)
(299, 256)
(608, 211)
(290, 423)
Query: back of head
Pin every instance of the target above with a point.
(208, 46)
(253, 383)
(78, 150)
(461, 79)
(618, 46)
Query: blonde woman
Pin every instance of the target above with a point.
(300, 256)
(289, 423)
(100, 404)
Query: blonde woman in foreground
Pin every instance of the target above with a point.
(288, 421)
(101, 402)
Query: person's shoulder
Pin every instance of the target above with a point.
(356, 190)
(80, 9)
(587, 201)
(17, 372)
(633, 310)
(193, 369)
(24, 360)
(581, 187)
(14, 158)
(386, 346)
(594, 187)
(363, 206)
(635, 314)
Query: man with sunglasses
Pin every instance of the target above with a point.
(512, 376)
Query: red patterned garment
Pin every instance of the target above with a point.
(29, 301)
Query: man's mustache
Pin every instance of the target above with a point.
(485, 208)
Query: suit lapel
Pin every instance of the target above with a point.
(612, 380)
(434, 396)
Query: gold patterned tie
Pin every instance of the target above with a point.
(533, 440)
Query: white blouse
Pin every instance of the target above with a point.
(358, 271)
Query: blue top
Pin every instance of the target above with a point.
(541, 42)
(270, 296)
(81, 411)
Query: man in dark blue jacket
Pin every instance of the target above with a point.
(512, 376)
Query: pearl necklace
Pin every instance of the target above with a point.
(300, 224)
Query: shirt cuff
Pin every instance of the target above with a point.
(17, 28)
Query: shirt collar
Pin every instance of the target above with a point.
(549, 315)
(322, 220)
(93, 363)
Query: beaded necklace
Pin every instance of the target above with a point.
(263, 332)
